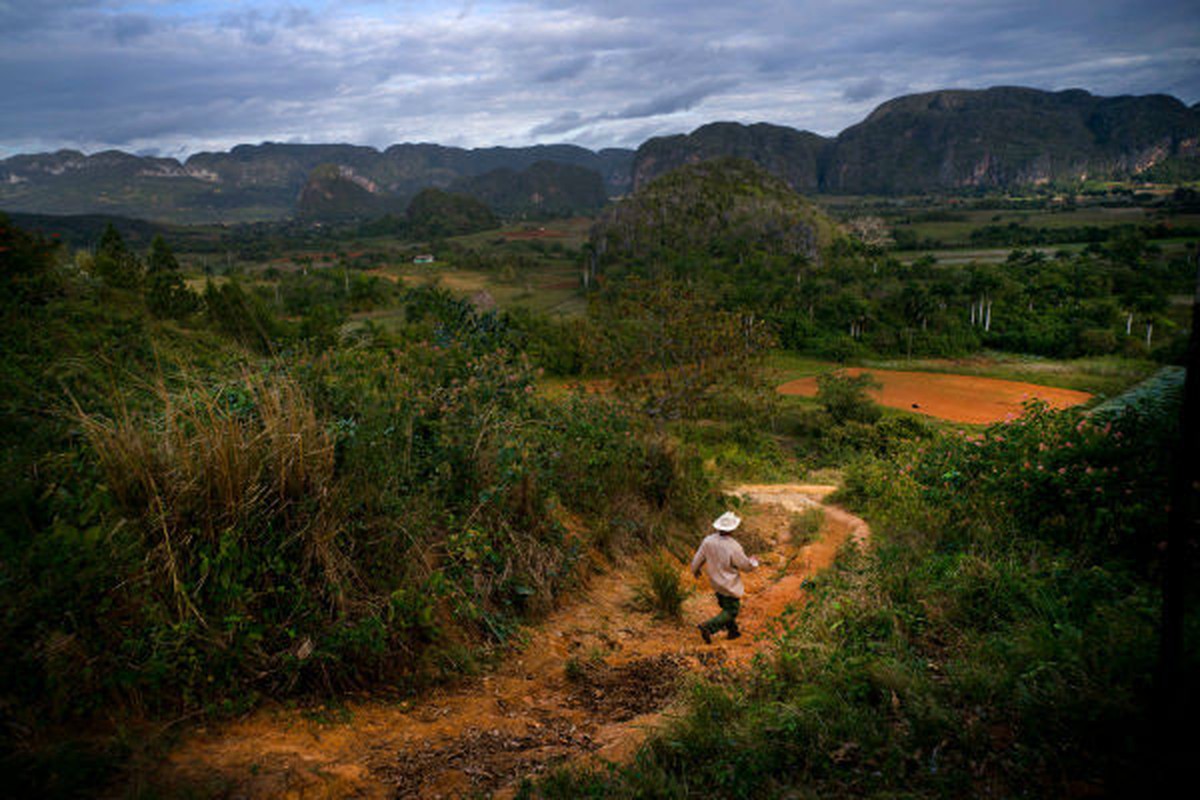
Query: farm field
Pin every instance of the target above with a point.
(1098, 375)
(957, 398)
(954, 226)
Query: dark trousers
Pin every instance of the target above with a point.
(730, 606)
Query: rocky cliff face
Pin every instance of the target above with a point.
(335, 191)
(1003, 137)
(955, 139)
(793, 155)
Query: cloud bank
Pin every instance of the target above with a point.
(176, 78)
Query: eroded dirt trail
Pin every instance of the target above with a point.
(486, 734)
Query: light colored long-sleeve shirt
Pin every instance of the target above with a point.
(723, 559)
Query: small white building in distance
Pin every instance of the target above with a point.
(423, 258)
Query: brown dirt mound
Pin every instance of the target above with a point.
(958, 398)
(623, 691)
(479, 761)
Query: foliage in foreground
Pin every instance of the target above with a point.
(998, 640)
(323, 519)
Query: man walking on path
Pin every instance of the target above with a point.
(723, 558)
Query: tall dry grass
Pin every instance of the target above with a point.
(204, 461)
(210, 462)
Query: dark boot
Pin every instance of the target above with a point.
(704, 634)
(734, 632)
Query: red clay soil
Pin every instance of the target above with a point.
(958, 398)
(484, 735)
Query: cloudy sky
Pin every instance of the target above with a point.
(177, 77)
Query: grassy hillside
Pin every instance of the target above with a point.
(998, 638)
(220, 506)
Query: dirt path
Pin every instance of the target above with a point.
(590, 682)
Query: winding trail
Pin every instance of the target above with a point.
(589, 683)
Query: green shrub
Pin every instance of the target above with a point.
(806, 525)
(661, 590)
(844, 397)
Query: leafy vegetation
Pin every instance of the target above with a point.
(434, 214)
(847, 299)
(232, 509)
(545, 189)
(280, 461)
(999, 637)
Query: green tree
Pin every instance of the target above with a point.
(166, 293)
(669, 347)
(161, 258)
(844, 396)
(114, 263)
(26, 264)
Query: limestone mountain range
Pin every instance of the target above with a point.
(943, 141)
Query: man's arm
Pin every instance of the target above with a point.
(739, 559)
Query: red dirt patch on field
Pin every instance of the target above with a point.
(958, 398)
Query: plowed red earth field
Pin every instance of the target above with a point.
(958, 398)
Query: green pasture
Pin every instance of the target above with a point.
(952, 226)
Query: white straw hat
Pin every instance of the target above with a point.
(727, 522)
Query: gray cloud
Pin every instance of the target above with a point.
(669, 103)
(864, 89)
(660, 105)
(566, 69)
(150, 74)
(128, 28)
(567, 121)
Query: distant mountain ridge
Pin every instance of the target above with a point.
(947, 140)
(952, 140)
(259, 182)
